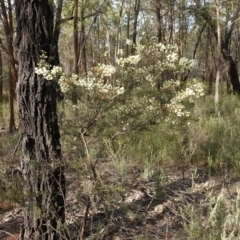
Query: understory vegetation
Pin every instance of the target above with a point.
(119, 120)
(146, 156)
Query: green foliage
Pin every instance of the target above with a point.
(114, 100)
(10, 179)
(134, 118)
(142, 154)
(127, 122)
(214, 140)
(211, 219)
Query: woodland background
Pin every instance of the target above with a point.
(135, 172)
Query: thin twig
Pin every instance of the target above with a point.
(84, 222)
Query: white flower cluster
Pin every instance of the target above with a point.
(47, 73)
(120, 52)
(186, 63)
(145, 69)
(178, 108)
(151, 79)
(155, 56)
(161, 47)
(66, 83)
(90, 84)
(171, 85)
(133, 60)
(129, 42)
(106, 70)
(172, 57)
(194, 90)
(43, 68)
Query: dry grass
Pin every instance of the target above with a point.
(12, 237)
(7, 206)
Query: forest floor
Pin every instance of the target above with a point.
(153, 207)
(141, 214)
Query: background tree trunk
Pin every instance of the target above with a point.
(231, 71)
(11, 122)
(41, 165)
(216, 98)
(1, 78)
(158, 8)
(128, 27)
(56, 32)
(6, 13)
(82, 41)
(1, 85)
(170, 22)
(75, 36)
(231, 67)
(135, 23)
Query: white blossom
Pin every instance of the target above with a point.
(43, 68)
(129, 42)
(194, 90)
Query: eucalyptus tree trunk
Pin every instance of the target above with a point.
(7, 19)
(75, 36)
(230, 64)
(119, 30)
(1, 79)
(137, 6)
(170, 21)
(231, 71)
(82, 61)
(56, 31)
(128, 26)
(6, 16)
(158, 10)
(216, 99)
(41, 164)
(11, 90)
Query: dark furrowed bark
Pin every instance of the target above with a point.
(42, 168)
(1, 80)
(231, 71)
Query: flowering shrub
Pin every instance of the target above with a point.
(46, 70)
(137, 90)
(193, 90)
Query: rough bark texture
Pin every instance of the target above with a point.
(1, 80)
(231, 71)
(44, 182)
